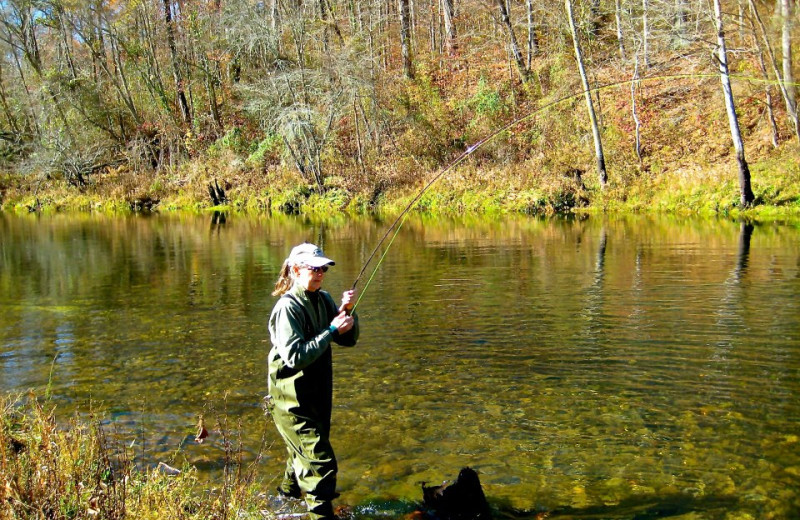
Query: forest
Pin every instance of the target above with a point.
(287, 105)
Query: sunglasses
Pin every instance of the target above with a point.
(323, 269)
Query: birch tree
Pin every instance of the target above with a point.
(786, 45)
(598, 143)
(746, 196)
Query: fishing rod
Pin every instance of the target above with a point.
(398, 222)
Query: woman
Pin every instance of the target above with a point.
(302, 325)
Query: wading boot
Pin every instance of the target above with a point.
(319, 510)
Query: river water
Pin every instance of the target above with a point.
(598, 367)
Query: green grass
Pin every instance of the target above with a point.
(526, 188)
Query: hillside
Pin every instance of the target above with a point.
(345, 128)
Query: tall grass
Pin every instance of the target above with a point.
(79, 469)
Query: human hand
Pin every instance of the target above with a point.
(348, 301)
(343, 322)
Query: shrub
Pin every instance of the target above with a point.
(233, 140)
(269, 147)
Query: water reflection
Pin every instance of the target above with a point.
(587, 366)
(218, 219)
(745, 232)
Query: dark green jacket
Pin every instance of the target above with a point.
(300, 361)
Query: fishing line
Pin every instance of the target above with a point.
(398, 222)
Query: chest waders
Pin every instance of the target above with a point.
(300, 404)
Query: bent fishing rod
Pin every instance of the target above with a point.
(398, 222)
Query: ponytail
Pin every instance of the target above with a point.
(285, 279)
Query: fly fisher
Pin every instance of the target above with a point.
(302, 326)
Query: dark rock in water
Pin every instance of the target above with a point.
(462, 499)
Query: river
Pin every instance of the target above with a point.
(616, 366)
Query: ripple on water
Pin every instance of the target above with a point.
(587, 367)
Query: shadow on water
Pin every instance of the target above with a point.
(464, 499)
(634, 508)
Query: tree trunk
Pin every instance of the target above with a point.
(598, 144)
(326, 15)
(121, 82)
(533, 42)
(412, 12)
(183, 104)
(433, 27)
(27, 37)
(618, 17)
(33, 121)
(384, 15)
(27, 43)
(594, 13)
(373, 54)
(449, 13)
(786, 44)
(791, 109)
(645, 36)
(213, 104)
(745, 191)
(12, 120)
(637, 129)
(405, 37)
(513, 45)
(680, 24)
(762, 66)
(59, 16)
(273, 15)
(152, 75)
(359, 147)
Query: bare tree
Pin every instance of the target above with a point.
(404, 10)
(108, 67)
(762, 66)
(302, 100)
(533, 41)
(449, 13)
(786, 45)
(645, 34)
(177, 75)
(505, 19)
(637, 146)
(746, 196)
(791, 107)
(618, 18)
(680, 23)
(598, 144)
(11, 118)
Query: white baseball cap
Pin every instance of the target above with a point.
(310, 255)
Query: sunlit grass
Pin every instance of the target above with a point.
(78, 469)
